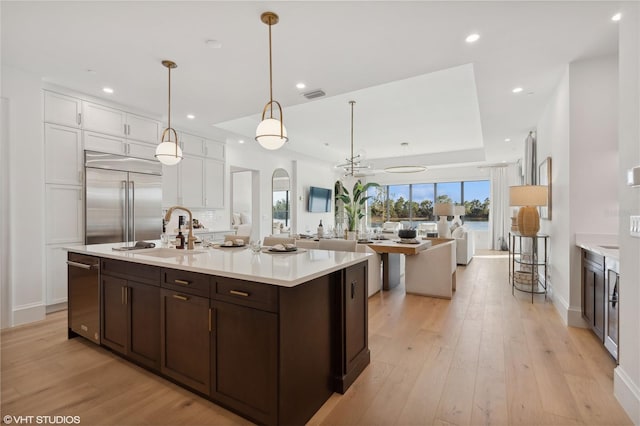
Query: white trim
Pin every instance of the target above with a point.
(28, 313)
(627, 393)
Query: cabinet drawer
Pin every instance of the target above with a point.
(135, 271)
(593, 257)
(186, 282)
(259, 296)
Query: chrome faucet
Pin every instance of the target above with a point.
(190, 239)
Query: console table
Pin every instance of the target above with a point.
(525, 263)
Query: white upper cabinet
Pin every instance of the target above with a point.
(214, 184)
(104, 143)
(63, 155)
(192, 181)
(111, 121)
(213, 149)
(143, 129)
(62, 109)
(102, 119)
(191, 144)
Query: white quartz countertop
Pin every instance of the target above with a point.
(604, 245)
(282, 269)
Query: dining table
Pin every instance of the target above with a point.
(390, 251)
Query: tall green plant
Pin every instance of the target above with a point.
(354, 203)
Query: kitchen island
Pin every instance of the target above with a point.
(267, 335)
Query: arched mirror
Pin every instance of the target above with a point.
(281, 190)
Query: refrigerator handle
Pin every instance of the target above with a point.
(125, 187)
(132, 218)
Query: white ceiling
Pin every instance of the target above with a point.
(406, 64)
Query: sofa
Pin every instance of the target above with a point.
(465, 244)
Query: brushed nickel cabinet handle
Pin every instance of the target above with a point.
(122, 295)
(79, 120)
(209, 320)
(239, 293)
(181, 297)
(182, 282)
(126, 295)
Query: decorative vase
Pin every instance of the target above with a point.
(352, 235)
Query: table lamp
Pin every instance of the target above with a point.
(529, 197)
(443, 210)
(458, 210)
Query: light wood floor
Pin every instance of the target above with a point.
(485, 357)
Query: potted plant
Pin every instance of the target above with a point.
(354, 203)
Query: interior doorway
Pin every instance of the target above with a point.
(245, 199)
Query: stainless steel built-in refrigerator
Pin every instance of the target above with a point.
(123, 198)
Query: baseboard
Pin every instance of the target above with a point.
(627, 393)
(56, 307)
(28, 313)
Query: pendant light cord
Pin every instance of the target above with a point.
(270, 74)
(352, 102)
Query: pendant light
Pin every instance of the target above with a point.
(271, 133)
(353, 165)
(169, 152)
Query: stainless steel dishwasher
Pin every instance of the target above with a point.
(84, 296)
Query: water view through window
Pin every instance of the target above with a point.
(412, 204)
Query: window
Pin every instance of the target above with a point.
(412, 204)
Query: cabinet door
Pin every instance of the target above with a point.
(185, 339)
(63, 155)
(244, 369)
(170, 185)
(104, 143)
(56, 283)
(141, 150)
(214, 184)
(114, 313)
(588, 283)
(355, 308)
(65, 212)
(143, 302)
(103, 119)
(62, 109)
(599, 303)
(191, 144)
(192, 181)
(213, 149)
(143, 129)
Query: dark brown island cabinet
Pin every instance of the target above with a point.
(272, 354)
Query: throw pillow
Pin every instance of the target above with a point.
(458, 232)
(454, 226)
(245, 218)
(235, 220)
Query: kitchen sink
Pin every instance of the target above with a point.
(166, 252)
(610, 247)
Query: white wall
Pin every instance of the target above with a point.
(578, 130)
(553, 140)
(627, 374)
(312, 173)
(26, 195)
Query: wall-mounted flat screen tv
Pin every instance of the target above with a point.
(319, 200)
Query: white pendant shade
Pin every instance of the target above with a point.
(166, 153)
(268, 134)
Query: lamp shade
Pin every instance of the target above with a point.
(268, 134)
(169, 153)
(443, 209)
(528, 195)
(459, 211)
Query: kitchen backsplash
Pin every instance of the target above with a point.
(206, 217)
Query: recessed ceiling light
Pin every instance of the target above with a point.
(616, 17)
(472, 38)
(191, 116)
(517, 90)
(108, 90)
(241, 141)
(507, 140)
(301, 85)
(213, 44)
